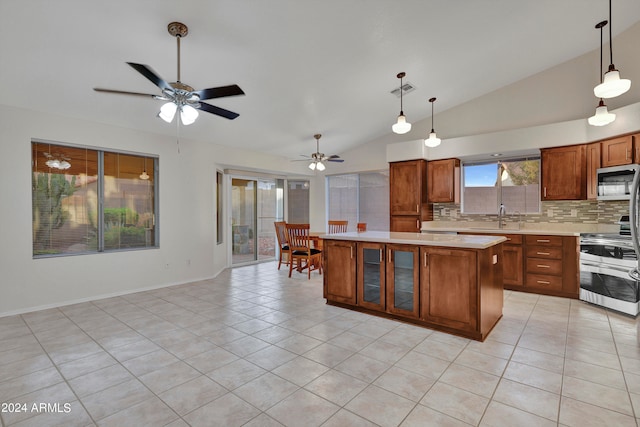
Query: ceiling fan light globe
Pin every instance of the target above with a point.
(312, 166)
(401, 126)
(602, 117)
(64, 165)
(168, 112)
(188, 115)
(612, 85)
(432, 141)
(320, 166)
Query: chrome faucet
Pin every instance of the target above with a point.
(502, 211)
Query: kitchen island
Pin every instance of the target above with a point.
(447, 282)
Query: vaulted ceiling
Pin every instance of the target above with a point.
(306, 66)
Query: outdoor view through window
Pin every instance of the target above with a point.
(68, 185)
(514, 183)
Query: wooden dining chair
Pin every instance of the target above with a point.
(303, 256)
(362, 226)
(338, 226)
(283, 242)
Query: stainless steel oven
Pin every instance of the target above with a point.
(605, 262)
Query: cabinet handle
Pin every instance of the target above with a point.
(426, 259)
(390, 257)
(380, 255)
(545, 191)
(543, 282)
(543, 266)
(543, 240)
(508, 239)
(626, 154)
(417, 208)
(451, 194)
(351, 249)
(543, 253)
(418, 224)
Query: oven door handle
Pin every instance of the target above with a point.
(603, 267)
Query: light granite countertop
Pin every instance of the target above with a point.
(422, 239)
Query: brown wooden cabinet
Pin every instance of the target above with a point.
(388, 278)
(339, 262)
(448, 287)
(513, 271)
(636, 147)
(552, 265)
(443, 181)
(408, 195)
(593, 163)
(617, 151)
(402, 283)
(564, 174)
(455, 290)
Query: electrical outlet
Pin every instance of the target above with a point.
(550, 213)
(574, 213)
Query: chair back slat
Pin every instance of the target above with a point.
(298, 235)
(336, 226)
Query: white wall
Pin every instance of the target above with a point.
(186, 214)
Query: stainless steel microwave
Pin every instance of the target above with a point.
(614, 183)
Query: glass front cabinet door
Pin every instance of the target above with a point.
(402, 279)
(371, 275)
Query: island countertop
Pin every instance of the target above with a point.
(424, 239)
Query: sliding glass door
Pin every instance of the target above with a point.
(254, 209)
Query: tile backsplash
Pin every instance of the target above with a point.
(564, 211)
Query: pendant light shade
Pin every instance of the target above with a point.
(401, 126)
(433, 140)
(602, 116)
(168, 111)
(612, 85)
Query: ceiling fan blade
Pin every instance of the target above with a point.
(219, 92)
(123, 92)
(151, 75)
(218, 111)
(335, 160)
(333, 156)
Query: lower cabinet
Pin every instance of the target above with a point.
(339, 264)
(513, 271)
(448, 287)
(451, 289)
(388, 278)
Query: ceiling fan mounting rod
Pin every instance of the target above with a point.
(178, 30)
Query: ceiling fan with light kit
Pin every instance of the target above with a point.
(317, 159)
(179, 96)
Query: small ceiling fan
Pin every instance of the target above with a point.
(179, 96)
(317, 159)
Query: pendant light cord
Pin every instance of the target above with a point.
(610, 36)
(401, 90)
(601, 41)
(432, 116)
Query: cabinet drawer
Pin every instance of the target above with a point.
(546, 252)
(544, 281)
(513, 239)
(544, 266)
(544, 240)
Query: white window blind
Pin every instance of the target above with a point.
(358, 198)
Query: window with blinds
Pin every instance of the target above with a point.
(298, 201)
(362, 197)
(87, 201)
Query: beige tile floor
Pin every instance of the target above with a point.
(255, 348)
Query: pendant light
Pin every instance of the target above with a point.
(144, 175)
(401, 126)
(612, 85)
(602, 116)
(433, 140)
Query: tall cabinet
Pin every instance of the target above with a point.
(408, 204)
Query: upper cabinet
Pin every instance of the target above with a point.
(443, 181)
(564, 175)
(617, 151)
(594, 162)
(407, 188)
(408, 195)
